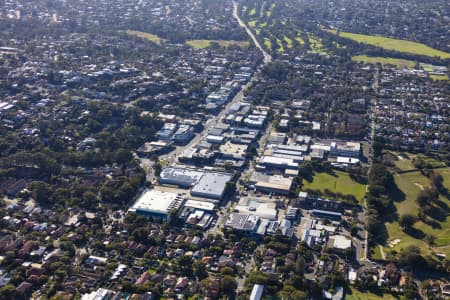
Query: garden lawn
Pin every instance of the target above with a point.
(344, 184)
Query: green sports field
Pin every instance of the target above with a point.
(344, 184)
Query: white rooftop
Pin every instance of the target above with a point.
(203, 205)
(211, 185)
(155, 201)
(341, 242)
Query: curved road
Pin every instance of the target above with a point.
(267, 57)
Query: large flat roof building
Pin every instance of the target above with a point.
(203, 205)
(211, 185)
(273, 184)
(156, 203)
(184, 178)
(278, 162)
(242, 222)
(262, 209)
(234, 151)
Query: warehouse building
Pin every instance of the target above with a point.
(276, 184)
(233, 151)
(262, 209)
(158, 204)
(242, 222)
(211, 185)
(183, 178)
(325, 214)
(277, 162)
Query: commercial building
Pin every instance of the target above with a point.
(325, 214)
(348, 149)
(347, 160)
(242, 222)
(262, 209)
(184, 134)
(202, 205)
(150, 148)
(255, 121)
(211, 185)
(184, 178)
(157, 204)
(340, 242)
(166, 132)
(215, 139)
(313, 202)
(277, 138)
(199, 213)
(277, 162)
(233, 151)
(276, 184)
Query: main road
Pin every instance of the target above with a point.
(267, 57)
(172, 157)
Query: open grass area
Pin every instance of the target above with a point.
(375, 253)
(394, 44)
(145, 35)
(399, 63)
(439, 77)
(446, 175)
(288, 41)
(344, 184)
(261, 11)
(404, 161)
(200, 44)
(269, 12)
(280, 45)
(252, 12)
(268, 44)
(405, 164)
(252, 23)
(357, 295)
(300, 40)
(411, 184)
(315, 43)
